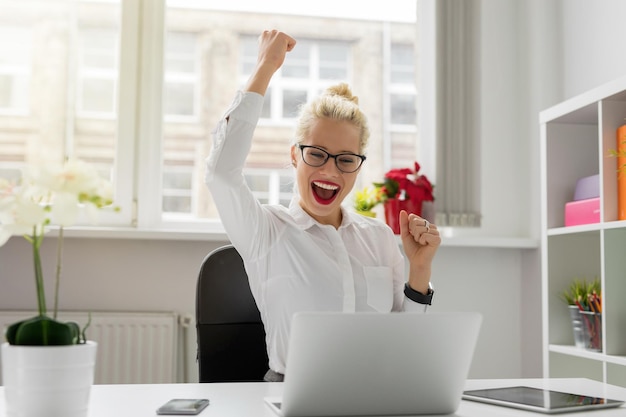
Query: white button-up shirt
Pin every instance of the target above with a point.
(293, 262)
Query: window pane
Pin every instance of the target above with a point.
(271, 186)
(286, 184)
(297, 66)
(98, 48)
(403, 109)
(334, 61)
(180, 51)
(402, 64)
(181, 74)
(176, 204)
(183, 133)
(59, 70)
(97, 71)
(258, 182)
(403, 148)
(6, 90)
(177, 180)
(179, 99)
(177, 185)
(292, 99)
(15, 64)
(97, 95)
(248, 54)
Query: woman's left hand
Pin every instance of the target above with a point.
(420, 240)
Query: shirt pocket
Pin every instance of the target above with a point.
(379, 287)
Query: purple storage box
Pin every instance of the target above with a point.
(587, 187)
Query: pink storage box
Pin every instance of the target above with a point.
(582, 212)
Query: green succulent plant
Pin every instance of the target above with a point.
(583, 293)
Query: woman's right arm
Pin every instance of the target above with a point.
(240, 212)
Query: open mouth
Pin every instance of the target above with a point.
(324, 192)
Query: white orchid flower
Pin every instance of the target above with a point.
(51, 194)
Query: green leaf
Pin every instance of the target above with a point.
(11, 332)
(43, 331)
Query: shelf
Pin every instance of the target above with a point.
(574, 229)
(555, 231)
(576, 137)
(574, 351)
(587, 354)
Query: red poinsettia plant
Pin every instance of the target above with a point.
(406, 184)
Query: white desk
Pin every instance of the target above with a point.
(246, 399)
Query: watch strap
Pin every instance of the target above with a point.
(417, 296)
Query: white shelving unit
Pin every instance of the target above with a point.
(576, 136)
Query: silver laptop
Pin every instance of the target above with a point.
(366, 364)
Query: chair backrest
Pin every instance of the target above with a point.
(230, 334)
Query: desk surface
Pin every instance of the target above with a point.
(246, 399)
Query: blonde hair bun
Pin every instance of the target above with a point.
(342, 90)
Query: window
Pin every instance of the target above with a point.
(136, 87)
(59, 66)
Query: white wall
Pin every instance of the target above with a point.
(593, 36)
(160, 275)
(110, 275)
(535, 53)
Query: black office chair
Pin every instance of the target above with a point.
(231, 336)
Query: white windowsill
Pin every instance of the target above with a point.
(220, 236)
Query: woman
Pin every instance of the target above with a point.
(314, 255)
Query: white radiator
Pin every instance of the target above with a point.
(133, 347)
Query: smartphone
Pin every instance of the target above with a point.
(183, 406)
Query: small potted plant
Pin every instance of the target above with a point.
(404, 189)
(584, 300)
(48, 194)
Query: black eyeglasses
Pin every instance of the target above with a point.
(316, 157)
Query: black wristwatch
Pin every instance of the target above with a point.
(417, 296)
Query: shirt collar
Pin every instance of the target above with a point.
(305, 221)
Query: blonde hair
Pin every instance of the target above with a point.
(337, 103)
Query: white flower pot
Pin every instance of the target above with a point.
(50, 381)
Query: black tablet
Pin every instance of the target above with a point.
(539, 400)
